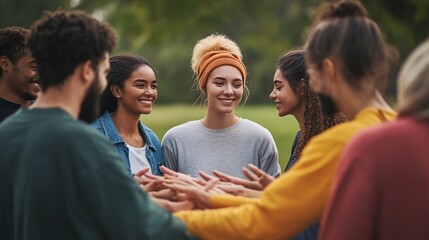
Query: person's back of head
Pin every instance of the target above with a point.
(413, 84)
(344, 33)
(62, 40)
(13, 44)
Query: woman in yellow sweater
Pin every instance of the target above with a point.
(346, 71)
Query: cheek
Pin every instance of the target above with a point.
(239, 92)
(315, 85)
(155, 94)
(103, 83)
(282, 96)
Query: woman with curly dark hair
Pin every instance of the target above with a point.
(292, 95)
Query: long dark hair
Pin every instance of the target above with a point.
(121, 68)
(292, 67)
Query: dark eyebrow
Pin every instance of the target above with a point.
(276, 82)
(32, 62)
(143, 80)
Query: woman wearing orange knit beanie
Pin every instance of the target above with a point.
(221, 140)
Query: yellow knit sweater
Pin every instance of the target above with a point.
(292, 202)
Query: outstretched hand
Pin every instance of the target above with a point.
(233, 187)
(256, 178)
(256, 174)
(172, 206)
(198, 192)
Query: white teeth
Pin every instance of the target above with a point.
(146, 101)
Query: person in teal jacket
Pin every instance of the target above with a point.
(59, 179)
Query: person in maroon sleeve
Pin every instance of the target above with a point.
(381, 188)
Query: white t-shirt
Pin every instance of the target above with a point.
(138, 159)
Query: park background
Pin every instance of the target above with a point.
(165, 31)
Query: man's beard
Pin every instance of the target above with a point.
(328, 105)
(26, 96)
(90, 107)
(29, 97)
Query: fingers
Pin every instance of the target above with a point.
(227, 178)
(264, 178)
(210, 184)
(152, 186)
(205, 176)
(142, 172)
(257, 170)
(167, 171)
(173, 206)
(251, 176)
(181, 206)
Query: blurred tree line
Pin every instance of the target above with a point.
(165, 31)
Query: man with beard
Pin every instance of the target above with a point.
(18, 78)
(59, 179)
(347, 72)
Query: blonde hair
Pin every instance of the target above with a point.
(413, 84)
(214, 42)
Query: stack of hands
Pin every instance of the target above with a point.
(176, 191)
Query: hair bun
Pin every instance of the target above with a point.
(342, 9)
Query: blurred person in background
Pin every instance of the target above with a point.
(18, 78)
(381, 188)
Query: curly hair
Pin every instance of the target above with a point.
(293, 69)
(212, 43)
(62, 40)
(13, 43)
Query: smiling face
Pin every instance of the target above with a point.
(22, 79)
(224, 89)
(285, 98)
(139, 91)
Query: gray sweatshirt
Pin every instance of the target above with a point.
(191, 147)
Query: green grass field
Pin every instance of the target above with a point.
(283, 129)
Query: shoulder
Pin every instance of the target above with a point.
(340, 133)
(387, 134)
(254, 129)
(148, 130)
(98, 123)
(81, 132)
(183, 129)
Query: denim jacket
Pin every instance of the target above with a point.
(105, 125)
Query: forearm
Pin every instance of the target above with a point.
(222, 201)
